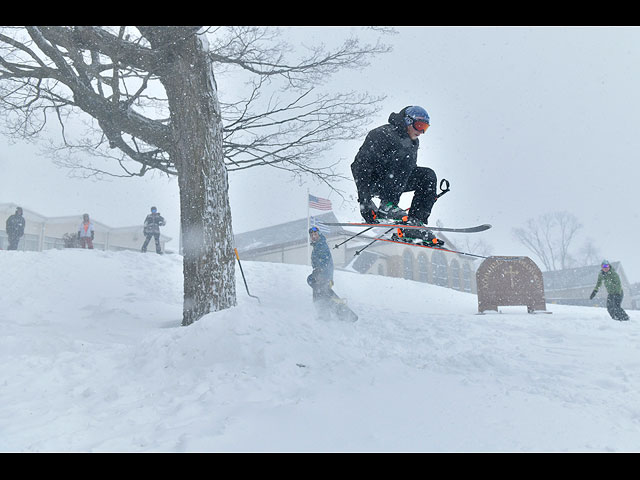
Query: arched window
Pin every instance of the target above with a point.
(466, 277)
(455, 274)
(440, 271)
(423, 268)
(407, 264)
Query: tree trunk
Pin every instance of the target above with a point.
(207, 236)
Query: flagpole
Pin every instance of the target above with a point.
(308, 226)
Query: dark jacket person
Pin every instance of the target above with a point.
(152, 224)
(15, 229)
(321, 278)
(386, 167)
(327, 303)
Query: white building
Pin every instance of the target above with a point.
(43, 233)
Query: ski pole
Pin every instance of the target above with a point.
(244, 279)
(459, 253)
(360, 233)
(437, 248)
(352, 237)
(373, 241)
(443, 190)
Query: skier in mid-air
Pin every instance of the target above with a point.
(386, 167)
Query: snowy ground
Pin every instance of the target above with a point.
(93, 360)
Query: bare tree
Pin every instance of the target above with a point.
(550, 237)
(589, 254)
(150, 95)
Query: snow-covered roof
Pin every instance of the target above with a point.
(296, 231)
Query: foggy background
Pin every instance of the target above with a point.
(524, 121)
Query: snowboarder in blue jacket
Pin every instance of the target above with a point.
(321, 278)
(327, 303)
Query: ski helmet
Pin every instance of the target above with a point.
(413, 113)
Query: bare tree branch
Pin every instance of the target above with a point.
(550, 237)
(112, 74)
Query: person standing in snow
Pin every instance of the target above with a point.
(321, 278)
(386, 167)
(326, 301)
(15, 229)
(152, 225)
(612, 283)
(86, 232)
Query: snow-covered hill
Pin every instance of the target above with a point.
(94, 360)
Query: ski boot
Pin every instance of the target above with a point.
(391, 213)
(418, 237)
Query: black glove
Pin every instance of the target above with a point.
(310, 280)
(92, 235)
(78, 235)
(593, 294)
(368, 210)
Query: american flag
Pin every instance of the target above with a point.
(319, 203)
(314, 222)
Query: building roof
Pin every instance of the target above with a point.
(283, 234)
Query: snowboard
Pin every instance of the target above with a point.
(331, 305)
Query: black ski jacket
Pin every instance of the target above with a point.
(385, 160)
(15, 226)
(152, 223)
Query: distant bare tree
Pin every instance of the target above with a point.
(589, 254)
(550, 237)
(150, 95)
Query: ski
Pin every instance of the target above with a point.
(475, 229)
(434, 247)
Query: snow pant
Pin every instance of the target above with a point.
(321, 292)
(86, 242)
(422, 181)
(614, 307)
(13, 242)
(156, 237)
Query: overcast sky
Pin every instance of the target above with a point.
(524, 121)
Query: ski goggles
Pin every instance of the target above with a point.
(313, 229)
(420, 125)
(606, 265)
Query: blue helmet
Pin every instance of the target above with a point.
(413, 113)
